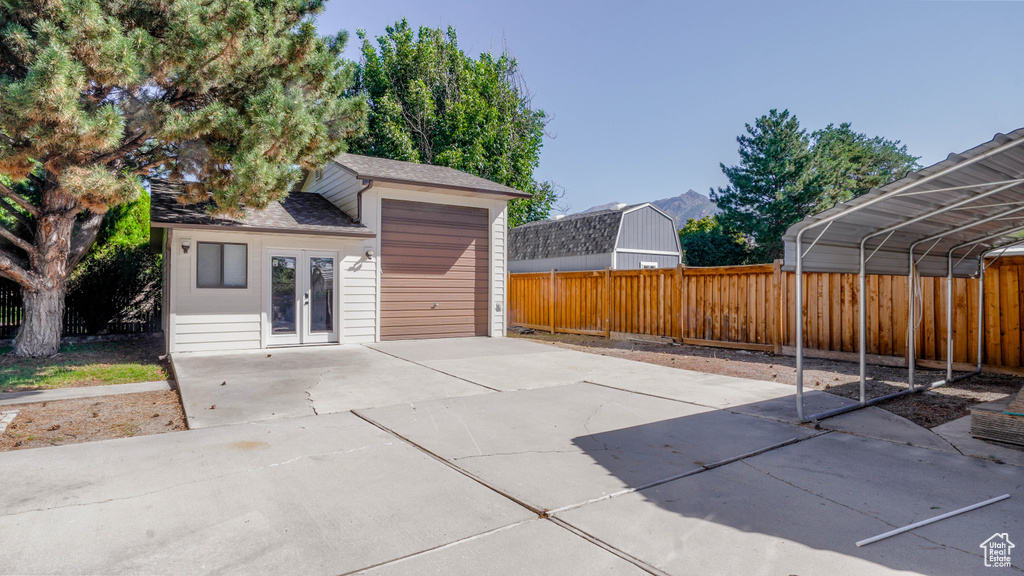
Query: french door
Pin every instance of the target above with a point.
(302, 304)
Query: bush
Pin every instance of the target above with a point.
(706, 242)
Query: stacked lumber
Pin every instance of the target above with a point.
(1001, 420)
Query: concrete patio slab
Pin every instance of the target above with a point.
(873, 422)
(319, 495)
(52, 395)
(535, 547)
(294, 382)
(801, 509)
(546, 446)
(458, 348)
(958, 433)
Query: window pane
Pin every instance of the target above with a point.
(234, 265)
(208, 265)
(321, 289)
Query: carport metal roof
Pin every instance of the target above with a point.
(939, 221)
(974, 198)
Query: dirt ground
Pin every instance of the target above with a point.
(926, 409)
(90, 419)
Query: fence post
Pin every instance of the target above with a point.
(778, 307)
(551, 302)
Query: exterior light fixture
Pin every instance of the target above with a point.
(369, 254)
(185, 245)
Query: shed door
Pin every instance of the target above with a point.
(434, 271)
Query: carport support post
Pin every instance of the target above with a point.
(949, 318)
(911, 328)
(800, 326)
(981, 310)
(862, 321)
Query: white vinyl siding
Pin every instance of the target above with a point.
(498, 270)
(208, 319)
(339, 186)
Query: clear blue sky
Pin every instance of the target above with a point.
(647, 98)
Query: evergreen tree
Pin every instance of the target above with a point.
(432, 103)
(234, 99)
(785, 175)
(773, 187)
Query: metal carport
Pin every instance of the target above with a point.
(939, 221)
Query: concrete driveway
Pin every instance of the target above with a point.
(551, 462)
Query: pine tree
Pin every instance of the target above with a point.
(772, 188)
(234, 99)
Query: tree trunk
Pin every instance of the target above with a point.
(41, 324)
(43, 295)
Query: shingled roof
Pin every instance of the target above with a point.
(576, 235)
(385, 170)
(299, 213)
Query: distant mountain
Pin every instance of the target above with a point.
(687, 205)
(683, 207)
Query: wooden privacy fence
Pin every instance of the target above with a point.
(728, 305)
(11, 310)
(752, 307)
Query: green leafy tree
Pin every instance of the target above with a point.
(432, 103)
(234, 99)
(706, 242)
(785, 174)
(773, 187)
(851, 163)
(120, 277)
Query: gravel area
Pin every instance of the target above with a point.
(926, 409)
(90, 419)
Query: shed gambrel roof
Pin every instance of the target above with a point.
(299, 213)
(397, 171)
(576, 235)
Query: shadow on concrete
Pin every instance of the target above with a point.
(823, 493)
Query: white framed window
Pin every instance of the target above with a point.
(644, 265)
(221, 265)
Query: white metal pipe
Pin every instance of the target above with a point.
(910, 527)
(949, 316)
(799, 330)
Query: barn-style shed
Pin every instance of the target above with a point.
(620, 238)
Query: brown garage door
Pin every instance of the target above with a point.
(434, 271)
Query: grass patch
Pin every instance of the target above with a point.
(93, 364)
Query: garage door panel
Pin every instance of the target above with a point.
(433, 254)
(399, 210)
(438, 230)
(399, 264)
(460, 330)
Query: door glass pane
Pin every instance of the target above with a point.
(234, 265)
(282, 281)
(321, 291)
